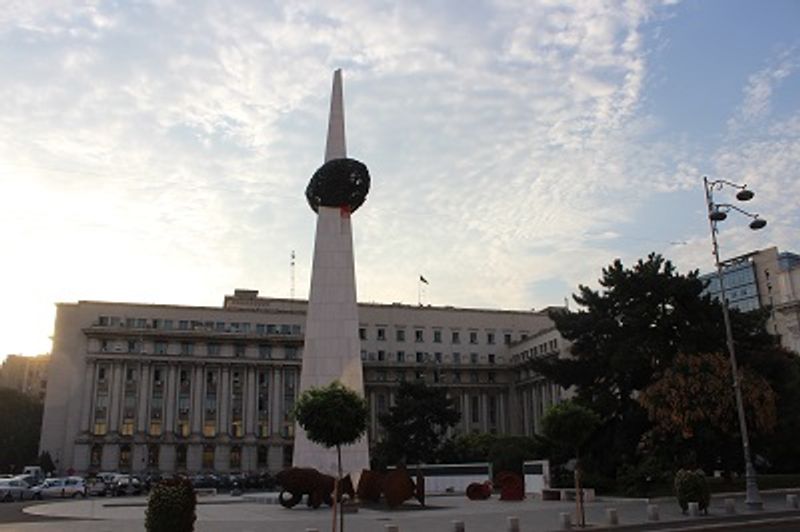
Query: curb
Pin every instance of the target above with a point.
(706, 523)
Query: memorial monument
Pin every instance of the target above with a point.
(332, 349)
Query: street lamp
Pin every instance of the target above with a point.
(717, 212)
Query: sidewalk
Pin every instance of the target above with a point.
(233, 514)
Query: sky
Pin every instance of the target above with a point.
(158, 151)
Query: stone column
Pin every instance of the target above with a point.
(142, 414)
(170, 398)
(89, 380)
(484, 412)
(275, 406)
(115, 398)
(250, 412)
(224, 398)
(198, 385)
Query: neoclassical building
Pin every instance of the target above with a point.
(143, 387)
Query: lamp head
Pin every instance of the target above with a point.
(757, 224)
(717, 215)
(745, 195)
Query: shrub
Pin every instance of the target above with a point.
(691, 486)
(171, 507)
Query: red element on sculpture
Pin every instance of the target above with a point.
(370, 485)
(398, 487)
(298, 481)
(479, 491)
(512, 486)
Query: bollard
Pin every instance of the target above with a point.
(652, 512)
(566, 521)
(791, 501)
(730, 506)
(458, 526)
(611, 516)
(694, 509)
(513, 524)
(392, 528)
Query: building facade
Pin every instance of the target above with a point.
(168, 388)
(765, 278)
(25, 374)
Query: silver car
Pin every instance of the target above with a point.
(14, 488)
(59, 487)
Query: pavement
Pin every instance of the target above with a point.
(235, 514)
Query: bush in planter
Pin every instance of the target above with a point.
(171, 507)
(691, 486)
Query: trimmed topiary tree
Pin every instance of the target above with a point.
(171, 507)
(332, 416)
(691, 486)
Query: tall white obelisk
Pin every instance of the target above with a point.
(332, 349)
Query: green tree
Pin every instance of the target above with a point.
(21, 422)
(622, 335)
(332, 416)
(569, 426)
(416, 425)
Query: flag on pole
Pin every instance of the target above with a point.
(423, 280)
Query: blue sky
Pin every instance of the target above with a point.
(159, 151)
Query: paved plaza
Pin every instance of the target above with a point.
(225, 513)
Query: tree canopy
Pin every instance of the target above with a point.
(416, 425)
(332, 415)
(21, 422)
(632, 332)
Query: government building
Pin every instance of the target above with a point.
(168, 388)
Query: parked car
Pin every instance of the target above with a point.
(59, 487)
(96, 486)
(126, 485)
(14, 488)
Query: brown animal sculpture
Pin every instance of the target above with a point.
(298, 481)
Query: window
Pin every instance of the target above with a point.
(236, 457)
(213, 349)
(261, 329)
(168, 324)
(419, 335)
(473, 337)
(133, 346)
(183, 325)
(490, 376)
(401, 335)
(124, 457)
(381, 334)
(291, 353)
(473, 358)
(96, 457)
(437, 357)
(152, 456)
(456, 358)
(473, 377)
(491, 359)
(264, 351)
(160, 347)
(261, 456)
(456, 377)
(187, 348)
(401, 356)
(456, 337)
(239, 350)
(208, 457)
(381, 356)
(492, 410)
(490, 338)
(437, 336)
(507, 338)
(180, 456)
(362, 333)
(105, 345)
(420, 357)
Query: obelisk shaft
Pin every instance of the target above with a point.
(332, 347)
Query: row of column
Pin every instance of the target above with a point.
(115, 376)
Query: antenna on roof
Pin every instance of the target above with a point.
(291, 268)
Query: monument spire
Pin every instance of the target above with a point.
(332, 346)
(335, 147)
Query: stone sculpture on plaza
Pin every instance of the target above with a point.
(298, 481)
(332, 348)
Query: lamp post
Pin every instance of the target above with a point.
(718, 212)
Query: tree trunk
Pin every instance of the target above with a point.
(579, 492)
(338, 488)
